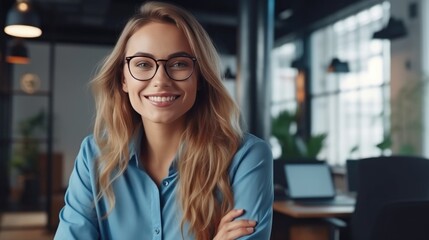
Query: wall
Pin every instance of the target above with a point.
(407, 71)
(425, 70)
(73, 103)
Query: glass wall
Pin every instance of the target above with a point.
(283, 85)
(283, 92)
(351, 107)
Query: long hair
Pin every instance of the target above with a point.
(212, 133)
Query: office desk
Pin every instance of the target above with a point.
(304, 211)
(309, 230)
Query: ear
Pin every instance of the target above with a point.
(124, 85)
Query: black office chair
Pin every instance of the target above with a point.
(352, 170)
(279, 179)
(402, 220)
(383, 180)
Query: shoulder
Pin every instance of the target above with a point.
(249, 138)
(253, 144)
(252, 151)
(88, 151)
(89, 145)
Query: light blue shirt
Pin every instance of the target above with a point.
(145, 210)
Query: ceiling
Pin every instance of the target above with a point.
(100, 21)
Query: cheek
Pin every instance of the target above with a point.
(130, 85)
(193, 90)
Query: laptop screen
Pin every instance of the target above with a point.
(309, 181)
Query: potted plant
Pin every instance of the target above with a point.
(26, 155)
(292, 144)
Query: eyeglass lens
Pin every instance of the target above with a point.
(177, 68)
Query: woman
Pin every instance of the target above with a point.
(167, 159)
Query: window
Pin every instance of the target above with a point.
(283, 85)
(353, 107)
(283, 92)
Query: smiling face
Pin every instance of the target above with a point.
(160, 99)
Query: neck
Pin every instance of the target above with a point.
(162, 141)
(160, 146)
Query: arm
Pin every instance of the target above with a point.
(252, 184)
(78, 219)
(230, 229)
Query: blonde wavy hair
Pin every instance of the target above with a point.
(211, 137)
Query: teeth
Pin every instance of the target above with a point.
(161, 99)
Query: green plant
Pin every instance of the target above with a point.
(385, 144)
(291, 143)
(26, 153)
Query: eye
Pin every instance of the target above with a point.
(179, 63)
(142, 63)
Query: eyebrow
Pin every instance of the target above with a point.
(176, 54)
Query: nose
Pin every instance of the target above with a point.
(161, 77)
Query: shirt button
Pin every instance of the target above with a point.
(166, 183)
(157, 231)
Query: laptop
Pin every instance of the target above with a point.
(312, 183)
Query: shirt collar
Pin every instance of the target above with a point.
(134, 148)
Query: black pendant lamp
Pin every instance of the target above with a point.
(394, 29)
(22, 21)
(17, 53)
(298, 63)
(338, 66)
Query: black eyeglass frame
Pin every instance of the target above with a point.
(129, 58)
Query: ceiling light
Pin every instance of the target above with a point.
(395, 28)
(22, 21)
(17, 53)
(298, 63)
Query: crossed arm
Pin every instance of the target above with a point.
(252, 187)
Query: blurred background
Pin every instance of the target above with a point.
(328, 79)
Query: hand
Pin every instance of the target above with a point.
(230, 229)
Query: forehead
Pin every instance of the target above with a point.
(158, 39)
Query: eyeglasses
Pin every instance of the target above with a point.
(144, 68)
